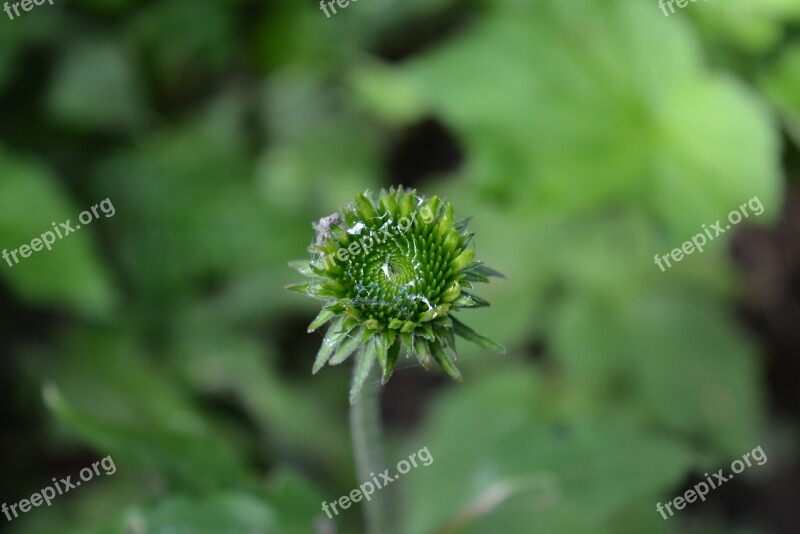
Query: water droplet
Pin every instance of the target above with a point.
(357, 228)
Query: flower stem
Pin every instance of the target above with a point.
(367, 435)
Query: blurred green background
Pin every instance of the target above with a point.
(584, 136)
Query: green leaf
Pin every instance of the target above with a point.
(185, 456)
(233, 513)
(781, 84)
(96, 85)
(296, 500)
(249, 377)
(71, 274)
(535, 469)
(640, 120)
(675, 382)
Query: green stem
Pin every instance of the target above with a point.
(365, 427)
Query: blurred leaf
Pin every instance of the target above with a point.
(232, 513)
(674, 359)
(754, 25)
(308, 120)
(297, 501)
(592, 119)
(541, 470)
(107, 392)
(219, 362)
(781, 84)
(184, 38)
(96, 86)
(386, 94)
(19, 36)
(97, 503)
(106, 6)
(71, 275)
(187, 215)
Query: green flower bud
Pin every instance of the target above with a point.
(391, 271)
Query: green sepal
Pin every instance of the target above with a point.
(341, 235)
(427, 332)
(395, 324)
(312, 289)
(365, 208)
(449, 337)
(389, 204)
(356, 338)
(383, 343)
(451, 241)
(452, 293)
(430, 315)
(422, 351)
(324, 316)
(303, 267)
(479, 268)
(472, 276)
(300, 288)
(332, 286)
(333, 337)
(445, 223)
(408, 341)
(324, 272)
(434, 203)
(445, 358)
(443, 322)
(408, 327)
(469, 334)
(468, 300)
(406, 206)
(350, 323)
(392, 356)
(362, 370)
(462, 224)
(462, 260)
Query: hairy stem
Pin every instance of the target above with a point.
(365, 427)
